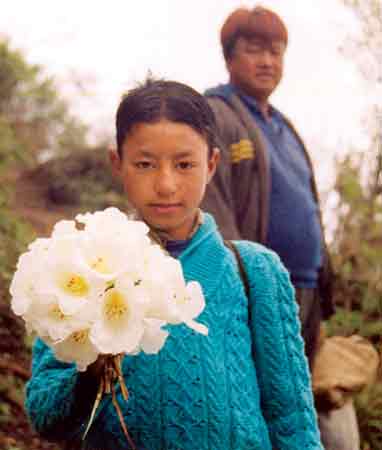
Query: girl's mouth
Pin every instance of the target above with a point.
(165, 208)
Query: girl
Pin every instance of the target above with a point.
(244, 386)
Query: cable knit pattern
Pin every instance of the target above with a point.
(243, 387)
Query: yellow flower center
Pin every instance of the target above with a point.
(100, 265)
(75, 285)
(181, 300)
(115, 305)
(56, 313)
(80, 337)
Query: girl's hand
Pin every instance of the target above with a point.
(96, 369)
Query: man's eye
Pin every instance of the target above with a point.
(253, 49)
(276, 51)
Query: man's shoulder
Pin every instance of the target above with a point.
(221, 91)
(220, 105)
(218, 98)
(227, 119)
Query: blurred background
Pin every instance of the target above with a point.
(63, 69)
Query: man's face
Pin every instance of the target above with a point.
(256, 66)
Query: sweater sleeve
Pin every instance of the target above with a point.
(59, 399)
(281, 365)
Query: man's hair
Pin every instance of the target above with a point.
(159, 99)
(259, 23)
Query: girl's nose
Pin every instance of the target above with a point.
(166, 182)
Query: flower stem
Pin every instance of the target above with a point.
(112, 371)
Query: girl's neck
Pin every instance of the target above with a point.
(162, 237)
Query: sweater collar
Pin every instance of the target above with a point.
(204, 259)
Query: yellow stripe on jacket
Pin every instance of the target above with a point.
(242, 150)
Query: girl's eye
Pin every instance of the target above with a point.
(144, 165)
(185, 165)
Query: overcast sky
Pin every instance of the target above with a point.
(109, 46)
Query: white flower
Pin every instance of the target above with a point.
(120, 326)
(65, 228)
(78, 290)
(114, 222)
(40, 245)
(102, 289)
(101, 219)
(23, 284)
(160, 274)
(48, 320)
(154, 337)
(36, 301)
(113, 243)
(78, 348)
(22, 290)
(171, 299)
(110, 255)
(191, 303)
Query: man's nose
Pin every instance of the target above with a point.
(266, 58)
(166, 182)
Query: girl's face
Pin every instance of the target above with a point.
(165, 169)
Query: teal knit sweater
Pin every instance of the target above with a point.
(245, 386)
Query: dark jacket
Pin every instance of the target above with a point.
(239, 194)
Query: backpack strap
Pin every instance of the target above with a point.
(242, 272)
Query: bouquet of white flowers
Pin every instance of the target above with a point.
(102, 289)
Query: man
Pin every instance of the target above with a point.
(264, 189)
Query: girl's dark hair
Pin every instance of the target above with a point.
(159, 99)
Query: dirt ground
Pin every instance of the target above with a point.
(15, 432)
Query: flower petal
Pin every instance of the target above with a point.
(76, 348)
(154, 337)
(199, 327)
